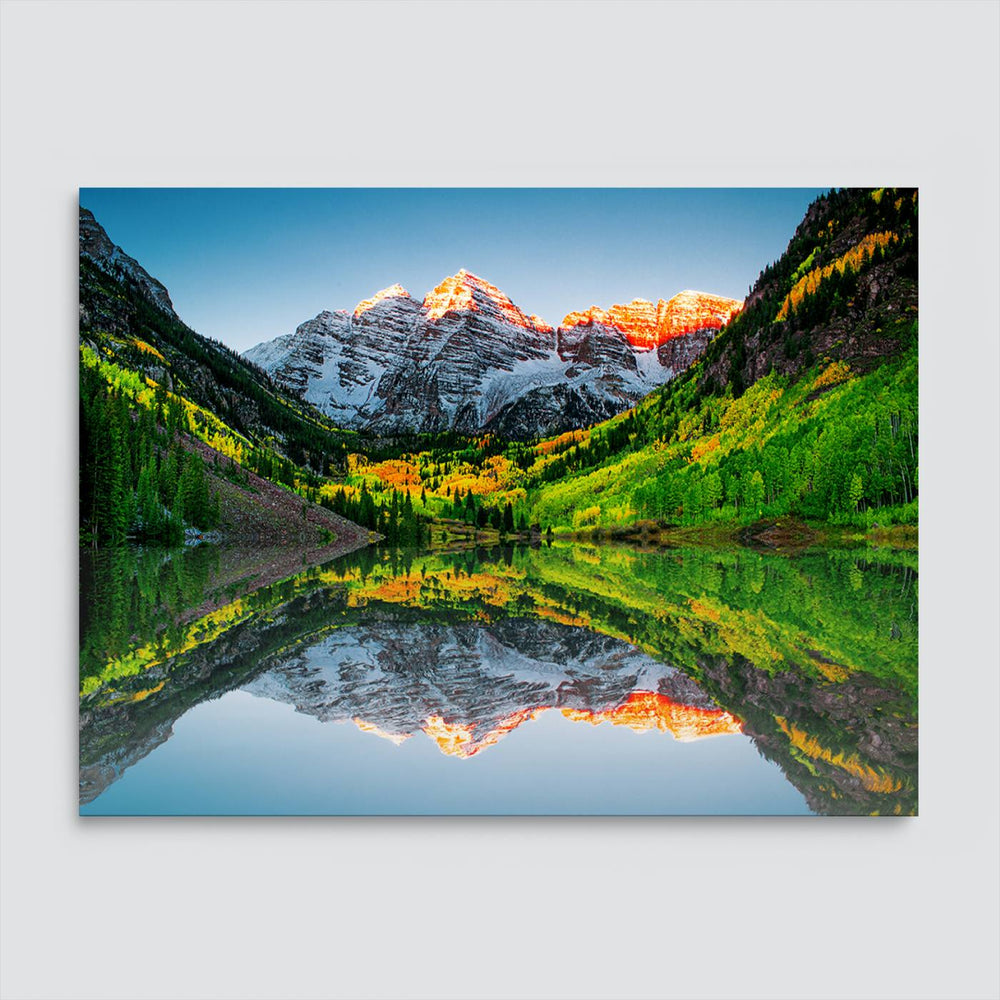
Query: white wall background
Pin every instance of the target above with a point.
(565, 94)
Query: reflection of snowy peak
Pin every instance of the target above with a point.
(467, 358)
(468, 685)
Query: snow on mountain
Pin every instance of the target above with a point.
(648, 325)
(466, 358)
(468, 685)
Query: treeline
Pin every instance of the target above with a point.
(473, 511)
(136, 481)
(438, 461)
(394, 519)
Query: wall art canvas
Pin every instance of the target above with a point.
(498, 501)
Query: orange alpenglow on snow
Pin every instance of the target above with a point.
(637, 320)
(396, 291)
(458, 294)
(648, 325)
(457, 740)
(646, 710)
(642, 711)
(370, 727)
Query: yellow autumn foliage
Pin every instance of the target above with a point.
(834, 373)
(853, 260)
(147, 348)
(873, 780)
(704, 447)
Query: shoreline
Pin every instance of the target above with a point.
(787, 535)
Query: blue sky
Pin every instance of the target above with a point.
(245, 265)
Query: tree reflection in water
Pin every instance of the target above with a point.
(813, 657)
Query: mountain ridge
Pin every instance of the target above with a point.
(97, 246)
(646, 324)
(126, 315)
(467, 358)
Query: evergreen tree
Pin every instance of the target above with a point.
(508, 517)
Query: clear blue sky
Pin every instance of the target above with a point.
(245, 265)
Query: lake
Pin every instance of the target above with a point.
(564, 678)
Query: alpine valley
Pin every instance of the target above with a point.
(394, 560)
(460, 409)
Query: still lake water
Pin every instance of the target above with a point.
(563, 679)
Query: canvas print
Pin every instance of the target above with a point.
(498, 501)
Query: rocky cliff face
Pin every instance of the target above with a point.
(866, 313)
(467, 358)
(97, 247)
(647, 325)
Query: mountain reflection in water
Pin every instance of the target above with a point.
(811, 660)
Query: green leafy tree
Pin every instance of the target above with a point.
(855, 491)
(712, 491)
(753, 495)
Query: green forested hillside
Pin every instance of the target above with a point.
(135, 477)
(169, 419)
(153, 463)
(118, 320)
(828, 446)
(805, 405)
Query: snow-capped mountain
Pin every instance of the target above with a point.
(466, 686)
(467, 358)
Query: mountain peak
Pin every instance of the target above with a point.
(97, 246)
(636, 319)
(396, 291)
(647, 325)
(691, 310)
(467, 292)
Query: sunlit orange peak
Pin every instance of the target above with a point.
(370, 727)
(467, 292)
(646, 710)
(688, 311)
(647, 325)
(539, 324)
(396, 291)
(457, 740)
